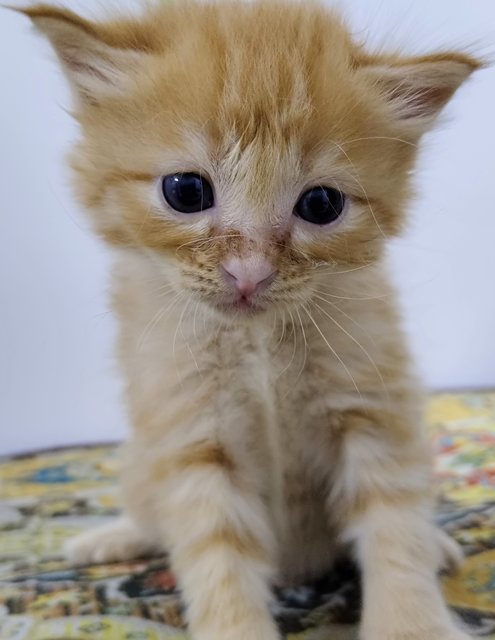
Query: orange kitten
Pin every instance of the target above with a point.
(248, 161)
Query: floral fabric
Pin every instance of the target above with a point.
(49, 496)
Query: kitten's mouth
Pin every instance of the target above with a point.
(241, 305)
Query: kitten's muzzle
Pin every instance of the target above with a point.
(247, 277)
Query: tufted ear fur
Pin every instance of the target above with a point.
(416, 89)
(99, 60)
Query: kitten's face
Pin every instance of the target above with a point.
(252, 150)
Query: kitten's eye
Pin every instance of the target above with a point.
(320, 205)
(187, 192)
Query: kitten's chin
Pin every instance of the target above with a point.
(239, 307)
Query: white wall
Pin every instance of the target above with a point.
(57, 380)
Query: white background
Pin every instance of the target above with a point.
(58, 383)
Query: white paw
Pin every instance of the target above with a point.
(421, 634)
(114, 542)
(451, 554)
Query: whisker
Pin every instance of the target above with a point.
(346, 315)
(287, 366)
(305, 346)
(361, 186)
(331, 295)
(356, 342)
(282, 332)
(194, 320)
(193, 356)
(333, 350)
(274, 325)
(179, 326)
(294, 333)
(328, 269)
(411, 144)
(156, 319)
(163, 290)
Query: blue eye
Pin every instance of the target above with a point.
(320, 205)
(187, 192)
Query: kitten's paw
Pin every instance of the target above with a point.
(449, 633)
(114, 542)
(258, 627)
(451, 554)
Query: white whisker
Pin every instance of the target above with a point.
(282, 332)
(411, 144)
(356, 342)
(156, 319)
(303, 365)
(179, 326)
(293, 327)
(346, 315)
(359, 183)
(332, 295)
(346, 369)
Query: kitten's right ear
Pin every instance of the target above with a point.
(97, 60)
(416, 89)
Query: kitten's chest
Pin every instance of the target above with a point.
(296, 500)
(294, 496)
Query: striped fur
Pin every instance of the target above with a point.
(263, 445)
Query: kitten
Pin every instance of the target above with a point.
(248, 162)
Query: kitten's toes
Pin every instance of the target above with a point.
(448, 633)
(451, 554)
(114, 542)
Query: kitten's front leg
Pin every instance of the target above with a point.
(384, 490)
(118, 541)
(402, 597)
(219, 540)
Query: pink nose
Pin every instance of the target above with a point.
(248, 275)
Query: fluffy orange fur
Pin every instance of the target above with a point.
(265, 443)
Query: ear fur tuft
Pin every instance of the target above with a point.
(418, 88)
(95, 62)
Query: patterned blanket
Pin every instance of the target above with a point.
(49, 496)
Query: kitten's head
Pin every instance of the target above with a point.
(248, 148)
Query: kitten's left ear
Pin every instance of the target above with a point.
(417, 88)
(98, 60)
